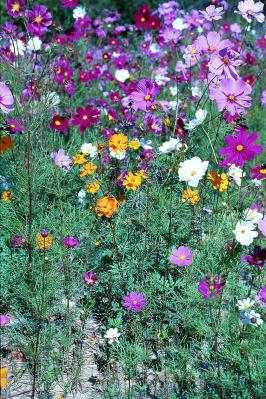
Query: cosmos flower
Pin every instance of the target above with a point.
(248, 9)
(171, 145)
(134, 301)
(232, 95)
(43, 241)
(251, 317)
(15, 8)
(61, 159)
(240, 148)
(89, 149)
(69, 3)
(257, 257)
(106, 206)
(132, 181)
(71, 242)
(143, 97)
(245, 304)
(59, 123)
(262, 226)
(14, 125)
(258, 172)
(79, 12)
(90, 279)
(17, 47)
(213, 14)
(244, 232)
(112, 335)
(211, 286)
(200, 117)
(6, 98)
(39, 18)
(85, 117)
(192, 170)
(252, 215)
(4, 320)
(261, 297)
(93, 187)
(219, 181)
(191, 196)
(181, 256)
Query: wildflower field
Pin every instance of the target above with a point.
(132, 184)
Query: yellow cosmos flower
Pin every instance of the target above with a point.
(134, 144)
(3, 377)
(7, 195)
(43, 243)
(88, 169)
(118, 142)
(142, 174)
(93, 187)
(132, 182)
(79, 159)
(106, 206)
(219, 182)
(191, 196)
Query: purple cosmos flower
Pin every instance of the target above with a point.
(9, 29)
(39, 19)
(232, 95)
(257, 257)
(212, 43)
(134, 301)
(261, 297)
(262, 226)
(143, 97)
(90, 278)
(17, 241)
(61, 159)
(259, 172)
(69, 3)
(6, 98)
(4, 320)
(15, 8)
(71, 242)
(213, 14)
(224, 63)
(181, 256)
(240, 147)
(211, 286)
(14, 125)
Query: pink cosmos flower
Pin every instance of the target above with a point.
(6, 98)
(71, 242)
(14, 125)
(261, 297)
(15, 8)
(240, 147)
(90, 278)
(85, 117)
(143, 96)
(4, 320)
(232, 95)
(262, 226)
(211, 286)
(259, 172)
(248, 9)
(181, 256)
(69, 3)
(212, 43)
(224, 63)
(213, 14)
(61, 159)
(39, 19)
(134, 301)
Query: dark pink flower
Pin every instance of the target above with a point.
(15, 8)
(240, 148)
(85, 117)
(4, 320)
(39, 19)
(90, 278)
(259, 172)
(14, 125)
(71, 242)
(211, 286)
(69, 3)
(261, 297)
(134, 301)
(232, 95)
(181, 256)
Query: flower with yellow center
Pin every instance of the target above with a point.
(191, 196)
(132, 182)
(118, 142)
(219, 182)
(88, 169)
(38, 19)
(134, 144)
(93, 187)
(43, 243)
(79, 159)
(7, 196)
(15, 7)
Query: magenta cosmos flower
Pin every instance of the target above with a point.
(90, 278)
(240, 147)
(14, 125)
(4, 320)
(6, 98)
(71, 242)
(134, 301)
(259, 172)
(181, 256)
(39, 19)
(261, 297)
(69, 3)
(61, 159)
(15, 8)
(211, 286)
(143, 97)
(232, 95)
(85, 117)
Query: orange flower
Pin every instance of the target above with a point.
(191, 196)
(79, 159)
(43, 243)
(93, 187)
(6, 143)
(88, 169)
(106, 206)
(118, 142)
(219, 182)
(7, 195)
(3, 377)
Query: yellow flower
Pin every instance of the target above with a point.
(44, 243)
(106, 206)
(7, 196)
(88, 169)
(3, 377)
(219, 182)
(167, 121)
(191, 196)
(134, 144)
(132, 182)
(79, 159)
(93, 187)
(118, 142)
(142, 173)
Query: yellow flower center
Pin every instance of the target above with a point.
(193, 51)
(212, 48)
(142, 19)
(38, 19)
(84, 117)
(90, 280)
(147, 97)
(193, 173)
(15, 7)
(212, 287)
(12, 125)
(182, 257)
(58, 123)
(246, 306)
(240, 148)
(135, 302)
(231, 98)
(263, 171)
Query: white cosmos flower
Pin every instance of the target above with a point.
(112, 335)
(17, 47)
(192, 171)
(244, 232)
(79, 12)
(171, 145)
(173, 90)
(245, 304)
(255, 318)
(252, 215)
(117, 154)
(51, 99)
(89, 149)
(200, 117)
(34, 44)
(161, 79)
(179, 24)
(236, 174)
(248, 9)
(145, 144)
(122, 75)
(82, 196)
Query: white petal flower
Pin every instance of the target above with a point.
(244, 232)
(245, 304)
(34, 44)
(117, 154)
(248, 9)
(179, 24)
(89, 149)
(17, 47)
(112, 335)
(236, 174)
(255, 318)
(200, 117)
(122, 75)
(171, 145)
(253, 215)
(79, 12)
(192, 171)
